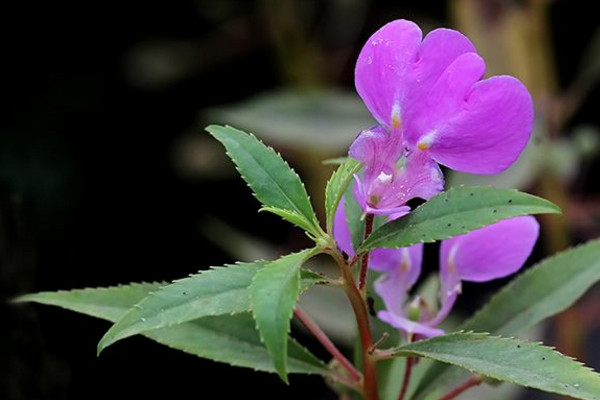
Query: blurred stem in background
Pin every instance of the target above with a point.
(297, 56)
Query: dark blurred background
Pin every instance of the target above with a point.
(107, 177)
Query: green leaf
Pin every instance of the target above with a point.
(336, 187)
(311, 120)
(544, 290)
(228, 339)
(274, 183)
(273, 294)
(335, 160)
(218, 291)
(291, 216)
(511, 360)
(457, 211)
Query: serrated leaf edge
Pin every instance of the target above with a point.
(511, 339)
(282, 374)
(313, 215)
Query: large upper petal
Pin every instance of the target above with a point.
(473, 126)
(396, 69)
(384, 65)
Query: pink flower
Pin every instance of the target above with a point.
(482, 255)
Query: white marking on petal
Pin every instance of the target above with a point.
(451, 259)
(396, 116)
(427, 140)
(406, 261)
(384, 178)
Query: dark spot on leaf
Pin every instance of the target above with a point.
(518, 346)
(509, 201)
(184, 293)
(543, 358)
(449, 224)
(495, 211)
(471, 194)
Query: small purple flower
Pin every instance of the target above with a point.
(482, 255)
(431, 104)
(385, 186)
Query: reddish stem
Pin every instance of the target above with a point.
(410, 362)
(359, 307)
(473, 381)
(327, 343)
(362, 280)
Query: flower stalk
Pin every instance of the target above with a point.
(362, 279)
(359, 307)
(322, 337)
(475, 380)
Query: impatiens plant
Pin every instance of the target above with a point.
(432, 107)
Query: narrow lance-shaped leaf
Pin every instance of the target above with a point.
(337, 185)
(228, 339)
(218, 291)
(455, 212)
(273, 294)
(511, 360)
(544, 290)
(273, 182)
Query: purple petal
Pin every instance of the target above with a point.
(405, 324)
(439, 49)
(419, 178)
(401, 261)
(382, 68)
(341, 232)
(386, 192)
(401, 268)
(488, 253)
(378, 151)
(478, 130)
(395, 69)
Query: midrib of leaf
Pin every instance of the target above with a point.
(443, 216)
(437, 210)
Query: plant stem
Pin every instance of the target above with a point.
(326, 342)
(362, 280)
(410, 362)
(359, 306)
(473, 381)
